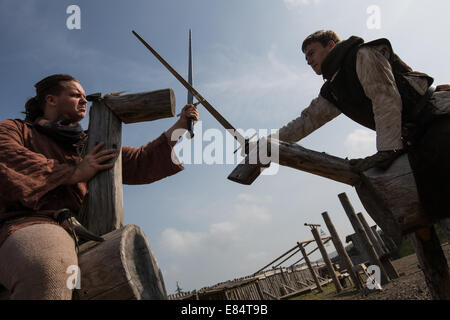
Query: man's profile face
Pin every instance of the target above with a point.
(71, 102)
(315, 54)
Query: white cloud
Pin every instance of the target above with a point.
(360, 143)
(252, 213)
(213, 251)
(181, 241)
(223, 235)
(222, 227)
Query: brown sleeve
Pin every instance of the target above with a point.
(150, 162)
(26, 176)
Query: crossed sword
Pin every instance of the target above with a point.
(244, 142)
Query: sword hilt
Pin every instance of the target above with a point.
(190, 127)
(190, 123)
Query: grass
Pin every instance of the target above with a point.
(329, 291)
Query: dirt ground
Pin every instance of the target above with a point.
(409, 286)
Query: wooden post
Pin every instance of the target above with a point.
(343, 255)
(433, 263)
(327, 260)
(102, 209)
(370, 234)
(308, 263)
(380, 241)
(359, 229)
(384, 258)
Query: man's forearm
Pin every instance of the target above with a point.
(174, 133)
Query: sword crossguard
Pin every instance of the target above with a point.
(246, 145)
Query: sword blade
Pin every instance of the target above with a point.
(190, 97)
(194, 92)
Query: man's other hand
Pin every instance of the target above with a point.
(381, 159)
(92, 163)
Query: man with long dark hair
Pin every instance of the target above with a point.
(43, 169)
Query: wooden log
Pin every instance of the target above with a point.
(389, 196)
(433, 263)
(102, 209)
(122, 267)
(359, 229)
(343, 255)
(311, 269)
(384, 258)
(327, 260)
(144, 106)
(294, 156)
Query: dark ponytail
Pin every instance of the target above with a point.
(34, 107)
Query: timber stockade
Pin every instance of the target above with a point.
(276, 284)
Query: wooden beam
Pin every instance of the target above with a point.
(290, 250)
(294, 156)
(144, 106)
(325, 240)
(286, 259)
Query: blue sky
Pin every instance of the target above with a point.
(202, 227)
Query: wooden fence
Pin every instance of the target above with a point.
(280, 283)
